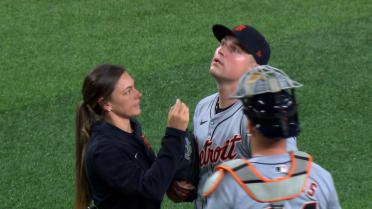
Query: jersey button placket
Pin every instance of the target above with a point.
(210, 128)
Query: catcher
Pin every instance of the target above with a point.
(273, 178)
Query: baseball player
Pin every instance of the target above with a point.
(219, 124)
(273, 178)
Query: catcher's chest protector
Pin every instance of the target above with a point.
(261, 189)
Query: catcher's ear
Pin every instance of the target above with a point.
(250, 128)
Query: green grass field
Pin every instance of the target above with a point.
(47, 47)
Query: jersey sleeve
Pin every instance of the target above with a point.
(327, 195)
(333, 198)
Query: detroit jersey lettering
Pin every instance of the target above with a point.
(220, 137)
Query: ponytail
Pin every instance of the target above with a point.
(85, 118)
(99, 83)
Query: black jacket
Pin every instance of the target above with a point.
(123, 171)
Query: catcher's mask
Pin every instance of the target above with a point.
(267, 103)
(274, 115)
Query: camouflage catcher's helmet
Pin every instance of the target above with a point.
(267, 103)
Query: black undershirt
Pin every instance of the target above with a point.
(218, 109)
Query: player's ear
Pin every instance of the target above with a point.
(250, 128)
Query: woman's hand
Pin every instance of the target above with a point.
(178, 116)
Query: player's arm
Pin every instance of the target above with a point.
(333, 202)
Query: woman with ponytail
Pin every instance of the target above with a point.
(115, 165)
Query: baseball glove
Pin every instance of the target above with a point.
(186, 178)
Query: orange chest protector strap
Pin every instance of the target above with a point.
(260, 188)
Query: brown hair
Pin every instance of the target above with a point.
(99, 83)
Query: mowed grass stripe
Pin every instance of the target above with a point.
(37, 155)
(359, 202)
(37, 113)
(40, 145)
(47, 45)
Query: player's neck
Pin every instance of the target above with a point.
(224, 92)
(265, 147)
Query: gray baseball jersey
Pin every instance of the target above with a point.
(319, 191)
(220, 137)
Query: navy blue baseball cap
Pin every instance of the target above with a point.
(249, 38)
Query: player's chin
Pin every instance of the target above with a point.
(215, 71)
(219, 75)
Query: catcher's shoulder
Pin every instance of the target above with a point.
(212, 182)
(215, 179)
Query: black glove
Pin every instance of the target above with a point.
(186, 178)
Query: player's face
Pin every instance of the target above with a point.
(125, 98)
(230, 61)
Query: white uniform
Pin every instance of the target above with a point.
(220, 137)
(319, 191)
